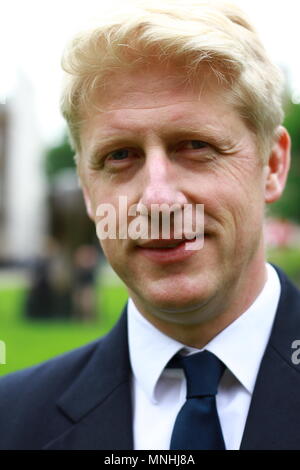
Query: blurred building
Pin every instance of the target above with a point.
(22, 186)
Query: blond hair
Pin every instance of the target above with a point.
(191, 33)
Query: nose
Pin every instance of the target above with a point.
(161, 181)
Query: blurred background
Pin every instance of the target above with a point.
(57, 291)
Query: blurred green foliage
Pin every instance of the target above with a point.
(288, 259)
(59, 158)
(292, 123)
(288, 207)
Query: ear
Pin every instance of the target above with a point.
(277, 166)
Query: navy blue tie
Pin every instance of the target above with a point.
(197, 425)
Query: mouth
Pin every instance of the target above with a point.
(168, 251)
(162, 244)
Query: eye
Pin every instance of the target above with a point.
(192, 145)
(119, 155)
(120, 159)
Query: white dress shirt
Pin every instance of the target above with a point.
(159, 394)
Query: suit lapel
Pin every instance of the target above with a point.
(98, 402)
(273, 418)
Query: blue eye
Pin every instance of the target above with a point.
(197, 144)
(192, 145)
(119, 154)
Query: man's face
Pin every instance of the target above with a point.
(156, 140)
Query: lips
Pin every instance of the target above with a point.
(162, 244)
(166, 251)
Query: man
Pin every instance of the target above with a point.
(175, 105)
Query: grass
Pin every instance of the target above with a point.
(29, 342)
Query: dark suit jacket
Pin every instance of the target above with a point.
(82, 399)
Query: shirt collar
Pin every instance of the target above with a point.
(240, 346)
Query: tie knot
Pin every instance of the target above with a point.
(203, 372)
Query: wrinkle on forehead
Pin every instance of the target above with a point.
(143, 112)
(111, 107)
(154, 84)
(174, 114)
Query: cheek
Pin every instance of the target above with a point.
(240, 186)
(237, 207)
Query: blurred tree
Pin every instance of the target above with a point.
(292, 123)
(288, 207)
(59, 158)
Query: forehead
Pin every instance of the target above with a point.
(149, 85)
(158, 99)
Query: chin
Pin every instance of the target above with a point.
(176, 295)
(185, 314)
(177, 304)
